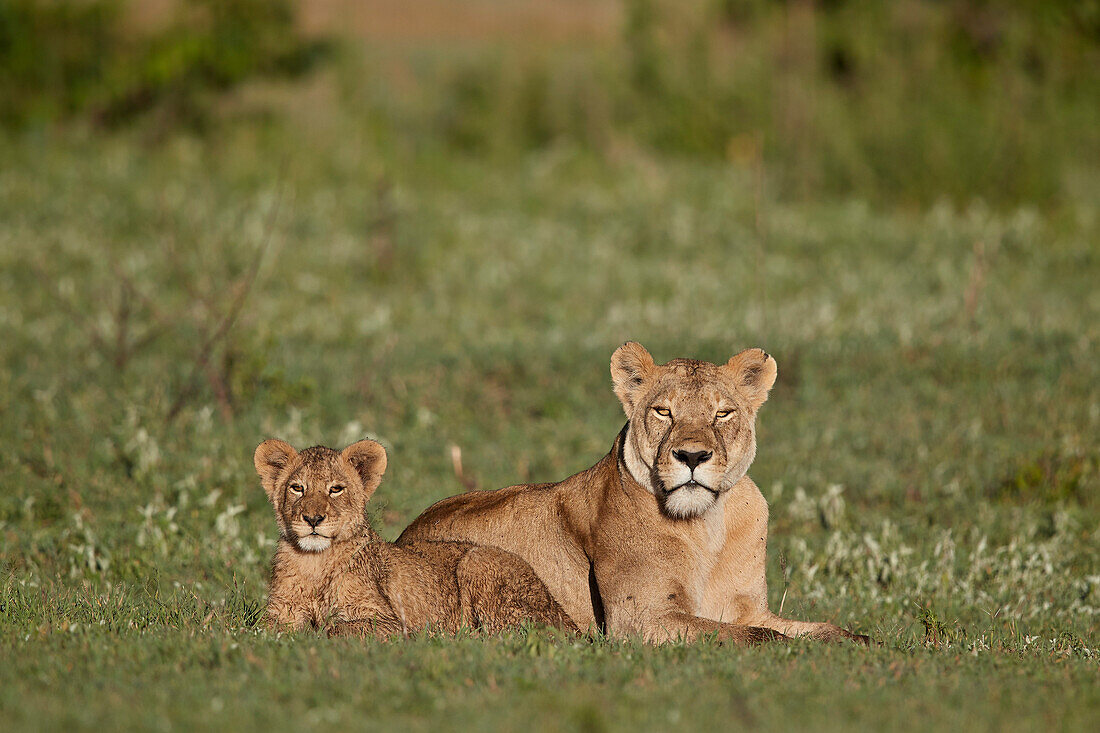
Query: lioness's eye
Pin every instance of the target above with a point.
(335, 489)
(663, 411)
(297, 488)
(722, 414)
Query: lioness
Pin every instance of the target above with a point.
(331, 568)
(666, 536)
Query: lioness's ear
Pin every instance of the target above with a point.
(755, 372)
(271, 459)
(630, 365)
(369, 461)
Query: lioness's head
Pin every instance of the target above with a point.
(320, 495)
(691, 433)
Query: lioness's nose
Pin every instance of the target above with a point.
(314, 520)
(692, 458)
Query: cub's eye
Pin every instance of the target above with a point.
(336, 489)
(296, 488)
(663, 411)
(723, 414)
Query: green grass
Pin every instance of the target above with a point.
(929, 450)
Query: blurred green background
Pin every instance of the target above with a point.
(903, 102)
(432, 222)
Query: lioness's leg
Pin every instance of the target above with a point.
(686, 627)
(813, 629)
(498, 589)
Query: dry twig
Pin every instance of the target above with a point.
(222, 329)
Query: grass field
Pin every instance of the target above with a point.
(929, 451)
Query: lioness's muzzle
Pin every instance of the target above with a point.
(691, 485)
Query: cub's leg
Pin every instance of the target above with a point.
(378, 628)
(361, 609)
(286, 614)
(498, 589)
(290, 601)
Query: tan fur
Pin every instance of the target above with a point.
(342, 576)
(628, 545)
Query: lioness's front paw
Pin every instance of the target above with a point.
(828, 632)
(760, 634)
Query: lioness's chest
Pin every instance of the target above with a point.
(706, 540)
(731, 573)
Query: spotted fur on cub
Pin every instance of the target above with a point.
(331, 569)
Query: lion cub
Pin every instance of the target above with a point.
(332, 570)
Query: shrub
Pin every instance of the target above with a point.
(63, 59)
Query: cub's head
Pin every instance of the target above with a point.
(320, 495)
(691, 433)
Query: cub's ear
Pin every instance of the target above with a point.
(754, 371)
(631, 364)
(271, 459)
(369, 461)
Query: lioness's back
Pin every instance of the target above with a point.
(438, 521)
(541, 523)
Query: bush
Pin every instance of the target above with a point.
(63, 59)
(914, 101)
(52, 56)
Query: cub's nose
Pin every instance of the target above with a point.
(692, 458)
(314, 520)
